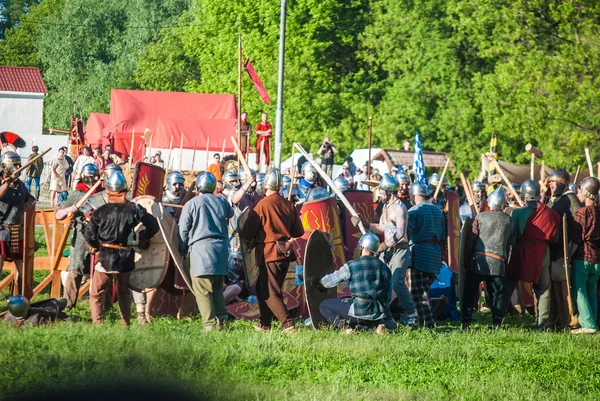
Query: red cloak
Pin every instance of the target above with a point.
(530, 249)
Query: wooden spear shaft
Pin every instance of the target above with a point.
(194, 154)
(439, 185)
(293, 174)
(131, 148)
(181, 152)
(223, 149)
(589, 162)
(508, 183)
(207, 147)
(333, 187)
(169, 158)
(577, 173)
(468, 194)
(240, 155)
(566, 263)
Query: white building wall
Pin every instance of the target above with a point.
(21, 112)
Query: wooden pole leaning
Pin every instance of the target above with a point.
(589, 162)
(329, 182)
(439, 185)
(241, 157)
(292, 175)
(566, 263)
(131, 149)
(181, 151)
(508, 183)
(577, 174)
(194, 155)
(370, 143)
(207, 147)
(468, 194)
(168, 166)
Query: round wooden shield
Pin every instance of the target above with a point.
(318, 262)
(151, 263)
(462, 263)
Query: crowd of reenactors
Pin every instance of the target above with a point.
(401, 253)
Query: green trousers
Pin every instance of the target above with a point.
(586, 276)
(208, 291)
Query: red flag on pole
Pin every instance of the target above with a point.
(256, 81)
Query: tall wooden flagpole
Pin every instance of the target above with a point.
(194, 154)
(239, 97)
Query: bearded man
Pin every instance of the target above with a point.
(394, 248)
(564, 202)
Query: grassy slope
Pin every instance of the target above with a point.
(239, 364)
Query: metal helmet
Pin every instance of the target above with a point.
(272, 179)
(402, 177)
(230, 176)
(116, 182)
(573, 187)
(369, 241)
(560, 175)
(309, 172)
(286, 181)
(10, 161)
(108, 170)
(243, 175)
(206, 182)
(389, 183)
(18, 306)
(342, 184)
(434, 180)
(478, 186)
(90, 174)
(236, 255)
(516, 187)
(420, 189)
(496, 199)
(260, 179)
(174, 177)
(530, 190)
(589, 187)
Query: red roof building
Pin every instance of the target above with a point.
(21, 79)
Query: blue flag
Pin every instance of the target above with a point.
(418, 165)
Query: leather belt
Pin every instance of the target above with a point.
(400, 245)
(363, 299)
(491, 255)
(11, 225)
(115, 246)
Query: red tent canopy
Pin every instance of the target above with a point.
(137, 110)
(94, 127)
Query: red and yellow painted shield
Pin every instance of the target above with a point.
(322, 215)
(148, 179)
(362, 202)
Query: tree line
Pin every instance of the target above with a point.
(454, 70)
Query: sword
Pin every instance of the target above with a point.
(333, 187)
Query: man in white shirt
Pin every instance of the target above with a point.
(83, 159)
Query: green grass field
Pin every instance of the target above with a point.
(239, 364)
(236, 363)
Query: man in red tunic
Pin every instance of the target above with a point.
(264, 131)
(534, 226)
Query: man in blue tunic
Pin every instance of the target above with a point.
(203, 234)
(426, 232)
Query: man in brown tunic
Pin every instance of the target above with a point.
(272, 223)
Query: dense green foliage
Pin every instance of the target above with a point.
(456, 71)
(239, 364)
